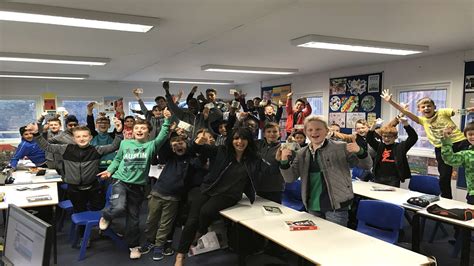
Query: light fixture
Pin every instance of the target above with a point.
(356, 45)
(27, 75)
(53, 59)
(42, 14)
(252, 70)
(197, 81)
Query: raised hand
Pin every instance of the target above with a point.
(386, 95)
(194, 89)
(447, 131)
(283, 154)
(90, 107)
(33, 127)
(403, 120)
(353, 147)
(104, 175)
(201, 139)
(166, 113)
(117, 124)
(289, 94)
(136, 92)
(166, 85)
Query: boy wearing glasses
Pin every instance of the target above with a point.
(390, 162)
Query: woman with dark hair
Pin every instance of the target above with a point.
(234, 169)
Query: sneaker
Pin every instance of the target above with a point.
(145, 248)
(103, 224)
(158, 253)
(168, 251)
(135, 253)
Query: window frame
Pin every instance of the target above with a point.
(397, 89)
(38, 103)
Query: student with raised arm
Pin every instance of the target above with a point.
(324, 168)
(129, 171)
(234, 169)
(434, 121)
(390, 162)
(463, 158)
(296, 114)
(81, 165)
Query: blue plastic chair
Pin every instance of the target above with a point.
(357, 173)
(429, 185)
(90, 219)
(66, 209)
(292, 196)
(380, 219)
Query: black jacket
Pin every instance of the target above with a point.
(400, 152)
(271, 180)
(174, 174)
(220, 160)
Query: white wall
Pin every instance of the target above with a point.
(17, 87)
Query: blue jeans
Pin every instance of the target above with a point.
(340, 216)
(126, 200)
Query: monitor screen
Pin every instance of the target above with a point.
(27, 238)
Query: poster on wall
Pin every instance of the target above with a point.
(49, 101)
(337, 118)
(356, 97)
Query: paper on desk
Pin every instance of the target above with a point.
(22, 177)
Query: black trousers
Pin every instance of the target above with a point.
(204, 210)
(274, 196)
(445, 171)
(92, 199)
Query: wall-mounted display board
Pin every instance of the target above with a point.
(354, 97)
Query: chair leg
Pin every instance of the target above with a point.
(422, 228)
(61, 220)
(407, 216)
(72, 232)
(441, 227)
(119, 242)
(75, 236)
(457, 246)
(85, 240)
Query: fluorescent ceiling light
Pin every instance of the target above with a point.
(53, 59)
(26, 75)
(252, 70)
(42, 14)
(197, 81)
(356, 45)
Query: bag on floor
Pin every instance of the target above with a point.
(458, 214)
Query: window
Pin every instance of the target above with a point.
(437, 92)
(15, 114)
(316, 105)
(79, 109)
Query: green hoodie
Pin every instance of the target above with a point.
(132, 162)
(461, 158)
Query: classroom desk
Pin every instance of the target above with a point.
(13, 196)
(400, 196)
(243, 210)
(465, 226)
(331, 244)
(397, 197)
(25, 177)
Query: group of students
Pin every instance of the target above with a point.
(203, 174)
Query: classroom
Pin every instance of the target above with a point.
(214, 132)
